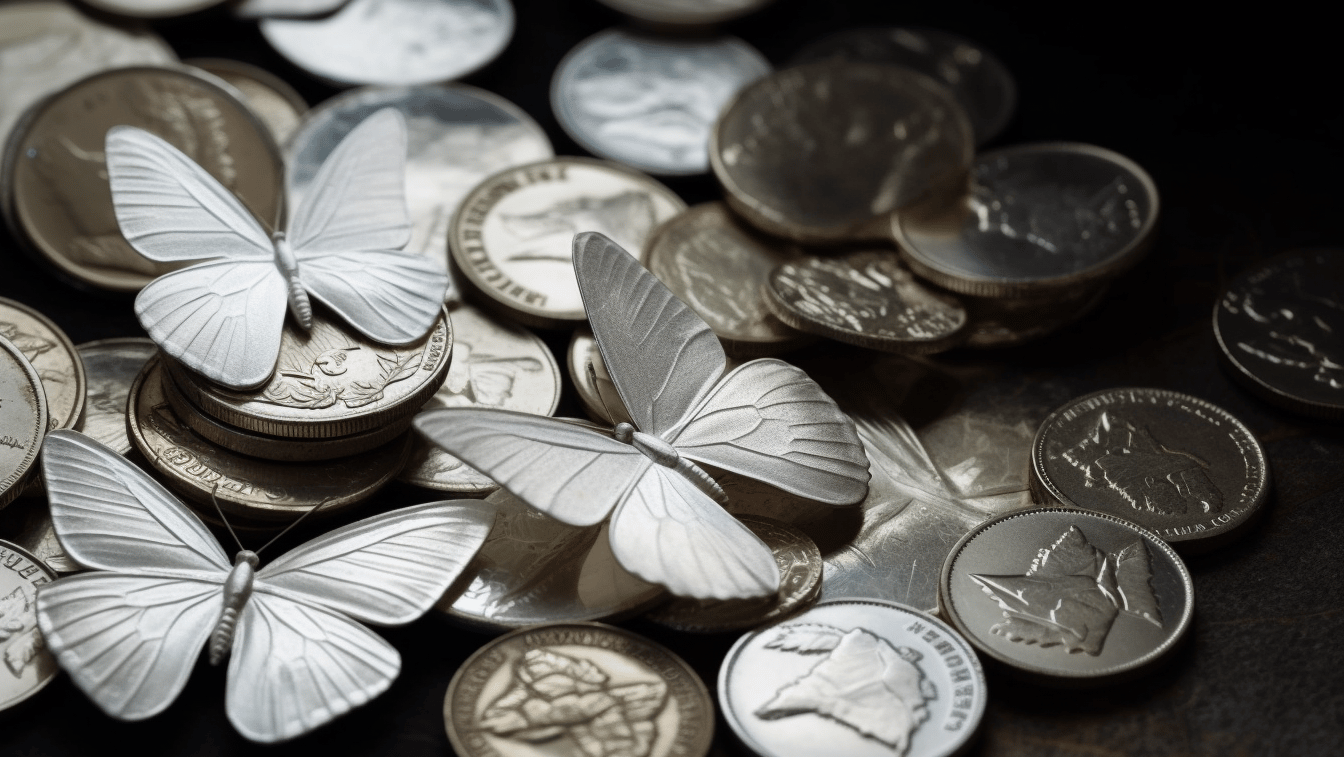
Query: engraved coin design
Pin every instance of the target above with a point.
(52, 356)
(270, 97)
(456, 136)
(818, 153)
(252, 488)
(330, 382)
(1280, 327)
(1175, 464)
(650, 101)
(534, 569)
(800, 568)
(865, 298)
(686, 12)
(1037, 219)
(579, 688)
(513, 235)
(26, 522)
(592, 382)
(494, 365)
(853, 677)
(24, 419)
(1007, 321)
(110, 366)
(978, 80)
(1067, 596)
(395, 41)
(62, 200)
(28, 664)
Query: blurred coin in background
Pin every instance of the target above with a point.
(270, 97)
(286, 8)
(685, 12)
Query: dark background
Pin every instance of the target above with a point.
(1237, 117)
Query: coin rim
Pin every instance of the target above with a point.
(52, 576)
(648, 12)
(261, 76)
(76, 418)
(24, 471)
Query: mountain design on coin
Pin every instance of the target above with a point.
(554, 695)
(1147, 474)
(18, 630)
(863, 683)
(1073, 593)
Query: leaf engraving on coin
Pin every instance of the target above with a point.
(18, 630)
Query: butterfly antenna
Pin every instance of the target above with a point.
(215, 500)
(592, 379)
(291, 526)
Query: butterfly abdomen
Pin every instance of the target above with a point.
(702, 480)
(237, 590)
(288, 264)
(667, 456)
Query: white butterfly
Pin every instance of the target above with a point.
(130, 636)
(222, 318)
(766, 419)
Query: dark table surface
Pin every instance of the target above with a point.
(1238, 119)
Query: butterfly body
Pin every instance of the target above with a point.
(288, 264)
(237, 590)
(666, 455)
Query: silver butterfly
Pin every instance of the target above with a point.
(766, 420)
(130, 634)
(222, 318)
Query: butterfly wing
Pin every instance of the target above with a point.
(662, 357)
(390, 296)
(770, 421)
(572, 473)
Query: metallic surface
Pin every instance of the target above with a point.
(151, 8)
(28, 665)
(1036, 220)
(110, 367)
(1067, 597)
(395, 42)
(1177, 465)
(865, 298)
(285, 8)
(591, 381)
(605, 690)
(691, 13)
(270, 97)
(1008, 321)
(862, 678)
(24, 420)
(818, 153)
(650, 101)
(512, 237)
(52, 356)
(26, 522)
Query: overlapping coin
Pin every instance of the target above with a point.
(24, 419)
(29, 666)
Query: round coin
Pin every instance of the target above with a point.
(800, 568)
(1037, 219)
(865, 298)
(285, 8)
(979, 81)
(494, 364)
(110, 367)
(1007, 321)
(62, 201)
(822, 152)
(1067, 597)
(151, 8)
(24, 420)
(1175, 464)
(513, 236)
(395, 41)
(592, 382)
(53, 357)
(858, 677)
(650, 101)
(534, 569)
(594, 689)
(1280, 327)
(276, 103)
(686, 12)
(31, 666)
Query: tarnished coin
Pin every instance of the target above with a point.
(979, 81)
(858, 677)
(494, 364)
(584, 688)
(456, 136)
(865, 298)
(31, 666)
(685, 12)
(26, 522)
(152, 8)
(24, 419)
(534, 569)
(330, 382)
(110, 367)
(513, 236)
(592, 382)
(822, 152)
(395, 41)
(650, 101)
(800, 566)
(249, 487)
(1175, 464)
(1067, 597)
(1037, 220)
(1007, 321)
(62, 200)
(53, 357)
(717, 265)
(1281, 329)
(270, 97)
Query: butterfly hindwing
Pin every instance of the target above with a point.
(390, 296)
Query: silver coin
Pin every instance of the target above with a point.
(862, 678)
(686, 12)
(24, 420)
(53, 357)
(456, 136)
(285, 8)
(276, 103)
(110, 367)
(823, 152)
(592, 382)
(30, 665)
(26, 522)
(647, 101)
(979, 81)
(1007, 321)
(494, 365)
(395, 42)
(534, 569)
(1067, 596)
(1177, 465)
(1037, 219)
(152, 8)
(1280, 327)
